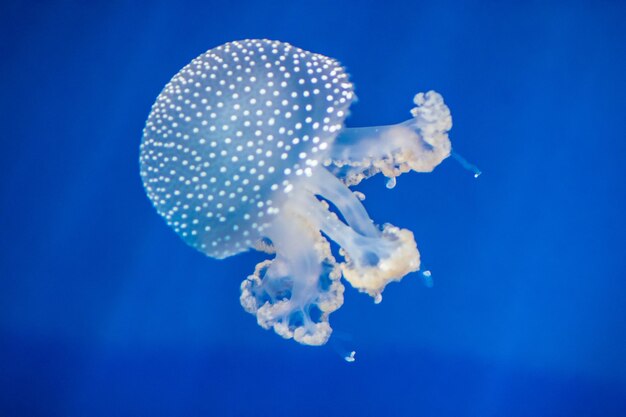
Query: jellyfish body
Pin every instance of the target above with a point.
(243, 149)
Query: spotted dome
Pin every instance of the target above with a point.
(231, 130)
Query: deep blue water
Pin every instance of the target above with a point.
(105, 312)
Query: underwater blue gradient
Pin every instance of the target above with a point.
(104, 311)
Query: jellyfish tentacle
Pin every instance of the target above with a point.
(467, 165)
(418, 144)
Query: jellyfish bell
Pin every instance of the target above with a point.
(244, 148)
(232, 128)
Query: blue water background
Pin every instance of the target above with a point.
(105, 312)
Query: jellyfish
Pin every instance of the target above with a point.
(246, 148)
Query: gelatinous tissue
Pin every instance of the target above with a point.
(246, 147)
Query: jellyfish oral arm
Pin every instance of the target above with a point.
(326, 185)
(295, 292)
(418, 144)
(371, 262)
(373, 257)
